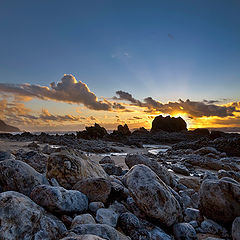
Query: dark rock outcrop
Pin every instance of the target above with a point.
(168, 124)
(8, 128)
(93, 132)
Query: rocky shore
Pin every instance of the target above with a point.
(52, 188)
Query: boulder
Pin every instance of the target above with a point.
(184, 231)
(96, 189)
(107, 216)
(220, 200)
(69, 168)
(106, 159)
(192, 214)
(101, 230)
(168, 124)
(18, 176)
(162, 172)
(94, 206)
(83, 219)
(191, 182)
(112, 169)
(152, 195)
(21, 218)
(181, 169)
(35, 159)
(60, 200)
(236, 229)
(6, 155)
(211, 227)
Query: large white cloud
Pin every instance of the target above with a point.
(67, 90)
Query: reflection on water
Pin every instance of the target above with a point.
(155, 149)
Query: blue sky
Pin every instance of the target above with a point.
(166, 49)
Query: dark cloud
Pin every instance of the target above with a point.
(125, 96)
(67, 90)
(192, 108)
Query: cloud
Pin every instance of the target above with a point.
(191, 108)
(67, 90)
(46, 116)
(127, 97)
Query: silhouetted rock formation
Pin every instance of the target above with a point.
(122, 131)
(7, 128)
(168, 124)
(93, 132)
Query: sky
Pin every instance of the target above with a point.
(65, 65)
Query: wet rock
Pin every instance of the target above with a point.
(96, 189)
(68, 168)
(135, 159)
(83, 219)
(209, 226)
(21, 218)
(18, 176)
(94, 206)
(107, 216)
(101, 230)
(106, 159)
(60, 200)
(168, 124)
(151, 195)
(220, 200)
(184, 231)
(236, 229)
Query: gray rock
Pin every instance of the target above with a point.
(101, 230)
(96, 189)
(18, 176)
(106, 159)
(179, 168)
(232, 174)
(209, 226)
(107, 216)
(94, 206)
(21, 218)
(220, 200)
(184, 231)
(83, 219)
(236, 229)
(162, 172)
(60, 200)
(112, 169)
(152, 195)
(192, 214)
